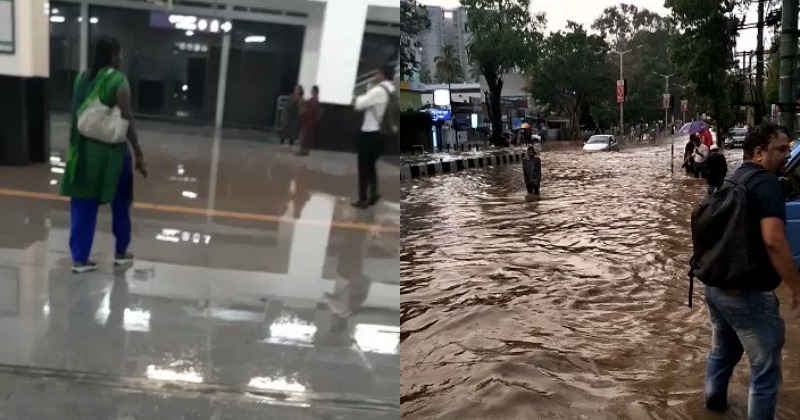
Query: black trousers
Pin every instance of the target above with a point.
(533, 188)
(369, 146)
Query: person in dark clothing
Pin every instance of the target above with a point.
(532, 171)
(290, 119)
(716, 169)
(747, 320)
(688, 161)
(309, 119)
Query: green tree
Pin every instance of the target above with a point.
(649, 59)
(413, 21)
(504, 37)
(619, 24)
(573, 74)
(474, 73)
(425, 74)
(701, 48)
(448, 66)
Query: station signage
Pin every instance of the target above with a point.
(189, 23)
(440, 114)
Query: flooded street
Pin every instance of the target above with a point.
(569, 307)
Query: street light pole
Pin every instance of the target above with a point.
(683, 89)
(622, 104)
(666, 117)
(666, 92)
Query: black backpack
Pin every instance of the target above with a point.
(723, 238)
(390, 123)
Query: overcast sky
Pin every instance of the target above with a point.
(586, 11)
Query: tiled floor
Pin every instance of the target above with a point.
(254, 277)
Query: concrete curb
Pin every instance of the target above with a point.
(452, 166)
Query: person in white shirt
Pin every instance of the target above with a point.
(700, 156)
(370, 141)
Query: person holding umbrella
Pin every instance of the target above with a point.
(693, 127)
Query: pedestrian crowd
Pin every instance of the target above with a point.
(702, 159)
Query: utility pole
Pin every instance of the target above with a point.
(622, 104)
(759, 93)
(788, 56)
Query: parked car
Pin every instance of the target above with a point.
(601, 143)
(735, 137)
(792, 184)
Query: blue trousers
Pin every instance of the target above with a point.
(83, 215)
(745, 322)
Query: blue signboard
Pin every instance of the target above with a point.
(439, 114)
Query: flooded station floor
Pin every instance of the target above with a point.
(570, 307)
(257, 292)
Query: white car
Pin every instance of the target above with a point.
(601, 143)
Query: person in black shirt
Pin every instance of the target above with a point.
(748, 320)
(716, 169)
(688, 160)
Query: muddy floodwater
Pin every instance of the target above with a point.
(569, 307)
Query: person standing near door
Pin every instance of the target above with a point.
(310, 117)
(370, 141)
(290, 118)
(100, 173)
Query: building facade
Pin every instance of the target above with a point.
(448, 27)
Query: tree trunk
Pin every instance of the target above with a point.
(495, 85)
(576, 122)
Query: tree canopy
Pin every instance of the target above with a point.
(504, 38)
(573, 73)
(619, 24)
(413, 21)
(701, 48)
(448, 66)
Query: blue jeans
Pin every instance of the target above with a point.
(83, 215)
(745, 322)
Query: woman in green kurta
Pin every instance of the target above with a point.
(101, 173)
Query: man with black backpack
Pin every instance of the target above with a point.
(381, 123)
(741, 255)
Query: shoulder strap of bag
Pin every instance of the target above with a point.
(743, 182)
(388, 98)
(99, 83)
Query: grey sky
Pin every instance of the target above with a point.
(586, 11)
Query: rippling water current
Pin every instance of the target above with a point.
(570, 307)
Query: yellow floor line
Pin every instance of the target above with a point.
(214, 213)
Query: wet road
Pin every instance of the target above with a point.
(570, 307)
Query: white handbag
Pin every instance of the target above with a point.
(102, 123)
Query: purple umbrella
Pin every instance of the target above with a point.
(693, 127)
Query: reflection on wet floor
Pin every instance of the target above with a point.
(572, 306)
(274, 291)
